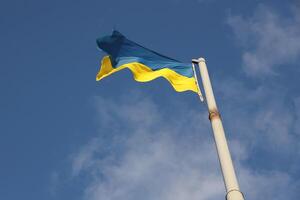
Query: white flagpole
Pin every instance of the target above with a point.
(230, 180)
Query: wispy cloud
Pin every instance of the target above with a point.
(151, 163)
(138, 155)
(84, 159)
(262, 117)
(269, 40)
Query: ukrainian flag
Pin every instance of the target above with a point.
(145, 64)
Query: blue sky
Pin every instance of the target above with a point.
(65, 136)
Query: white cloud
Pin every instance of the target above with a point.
(158, 168)
(153, 165)
(84, 159)
(260, 117)
(269, 40)
(152, 159)
(269, 185)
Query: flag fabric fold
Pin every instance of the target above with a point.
(144, 64)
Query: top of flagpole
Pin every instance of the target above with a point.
(196, 80)
(198, 60)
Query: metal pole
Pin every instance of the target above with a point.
(230, 180)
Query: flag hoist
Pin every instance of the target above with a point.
(147, 65)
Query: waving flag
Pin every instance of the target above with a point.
(145, 64)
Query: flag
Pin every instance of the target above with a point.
(145, 64)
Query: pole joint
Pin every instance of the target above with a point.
(214, 114)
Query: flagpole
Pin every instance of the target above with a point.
(231, 184)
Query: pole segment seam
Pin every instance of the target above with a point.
(214, 114)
